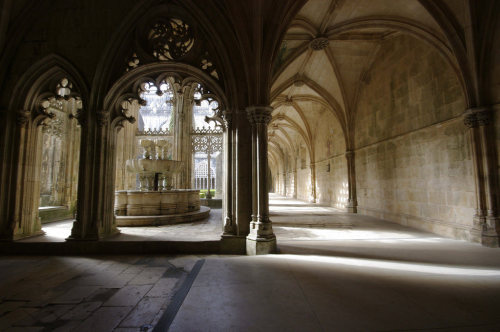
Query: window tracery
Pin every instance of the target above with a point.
(171, 39)
(156, 115)
(168, 36)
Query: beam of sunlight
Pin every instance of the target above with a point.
(343, 233)
(395, 266)
(59, 230)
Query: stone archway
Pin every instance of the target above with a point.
(50, 84)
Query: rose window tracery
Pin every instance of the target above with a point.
(170, 40)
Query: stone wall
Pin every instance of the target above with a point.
(413, 159)
(304, 183)
(331, 186)
(331, 164)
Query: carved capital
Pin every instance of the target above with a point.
(477, 117)
(259, 114)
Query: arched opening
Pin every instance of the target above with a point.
(58, 161)
(207, 147)
(47, 160)
(170, 159)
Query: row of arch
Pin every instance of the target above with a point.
(98, 139)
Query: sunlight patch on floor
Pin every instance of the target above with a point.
(395, 266)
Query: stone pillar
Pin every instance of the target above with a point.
(95, 218)
(352, 203)
(486, 219)
(294, 189)
(25, 221)
(313, 182)
(283, 186)
(261, 239)
(179, 124)
(229, 226)
(219, 171)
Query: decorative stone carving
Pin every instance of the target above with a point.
(206, 140)
(125, 107)
(154, 132)
(319, 43)
(208, 66)
(259, 115)
(64, 87)
(476, 117)
(43, 112)
(133, 62)
(171, 39)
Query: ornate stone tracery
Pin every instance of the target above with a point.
(171, 39)
(206, 140)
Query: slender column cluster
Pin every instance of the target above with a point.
(229, 227)
(352, 204)
(486, 219)
(260, 226)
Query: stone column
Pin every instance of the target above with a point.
(179, 134)
(25, 221)
(486, 219)
(261, 239)
(312, 166)
(95, 218)
(283, 186)
(352, 203)
(294, 189)
(229, 226)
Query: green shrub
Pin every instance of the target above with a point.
(204, 192)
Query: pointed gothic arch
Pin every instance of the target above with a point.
(51, 80)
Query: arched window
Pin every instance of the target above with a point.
(60, 146)
(207, 146)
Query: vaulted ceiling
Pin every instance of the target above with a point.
(326, 54)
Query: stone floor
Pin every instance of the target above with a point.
(203, 230)
(335, 272)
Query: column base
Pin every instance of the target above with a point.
(232, 245)
(490, 239)
(25, 236)
(490, 236)
(351, 207)
(261, 246)
(94, 237)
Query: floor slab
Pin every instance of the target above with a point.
(335, 272)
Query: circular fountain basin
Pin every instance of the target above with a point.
(146, 208)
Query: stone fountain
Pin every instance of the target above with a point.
(155, 201)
